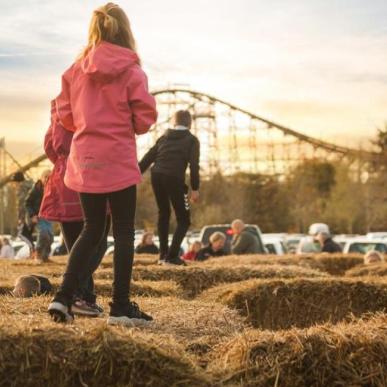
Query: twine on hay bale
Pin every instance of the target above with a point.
(98, 357)
(353, 354)
(282, 304)
(194, 279)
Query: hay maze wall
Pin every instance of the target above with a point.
(235, 321)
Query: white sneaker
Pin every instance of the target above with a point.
(60, 313)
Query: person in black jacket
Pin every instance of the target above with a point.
(170, 156)
(214, 248)
(328, 245)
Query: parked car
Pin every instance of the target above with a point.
(342, 239)
(207, 231)
(377, 235)
(274, 244)
(22, 250)
(362, 245)
(292, 241)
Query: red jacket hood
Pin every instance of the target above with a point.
(107, 61)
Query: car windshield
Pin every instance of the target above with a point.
(270, 248)
(364, 247)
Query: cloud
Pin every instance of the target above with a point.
(290, 60)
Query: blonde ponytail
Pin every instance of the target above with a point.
(109, 23)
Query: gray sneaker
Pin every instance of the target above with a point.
(131, 317)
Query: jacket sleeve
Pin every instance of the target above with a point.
(194, 165)
(240, 245)
(48, 138)
(63, 103)
(30, 202)
(149, 158)
(141, 102)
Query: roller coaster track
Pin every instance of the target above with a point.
(287, 131)
(203, 97)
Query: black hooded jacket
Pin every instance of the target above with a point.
(171, 155)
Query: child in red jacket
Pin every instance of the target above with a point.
(105, 102)
(61, 204)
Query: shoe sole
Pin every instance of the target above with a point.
(81, 312)
(59, 313)
(128, 322)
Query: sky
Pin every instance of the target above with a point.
(316, 66)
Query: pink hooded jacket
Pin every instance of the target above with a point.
(59, 203)
(105, 101)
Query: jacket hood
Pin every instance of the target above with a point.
(107, 61)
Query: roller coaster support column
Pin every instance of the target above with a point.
(2, 174)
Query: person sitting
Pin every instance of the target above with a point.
(243, 241)
(147, 245)
(6, 249)
(328, 245)
(215, 247)
(192, 253)
(32, 285)
(372, 257)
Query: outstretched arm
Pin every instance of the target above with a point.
(148, 159)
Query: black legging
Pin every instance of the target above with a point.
(171, 190)
(123, 207)
(71, 232)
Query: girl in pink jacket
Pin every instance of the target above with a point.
(105, 102)
(61, 204)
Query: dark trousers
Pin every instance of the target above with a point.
(71, 231)
(123, 206)
(171, 190)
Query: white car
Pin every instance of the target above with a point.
(377, 235)
(274, 244)
(292, 241)
(362, 245)
(308, 245)
(22, 250)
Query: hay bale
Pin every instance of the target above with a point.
(375, 270)
(353, 354)
(186, 321)
(282, 304)
(104, 288)
(139, 260)
(334, 264)
(141, 288)
(338, 264)
(194, 279)
(57, 356)
(192, 320)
